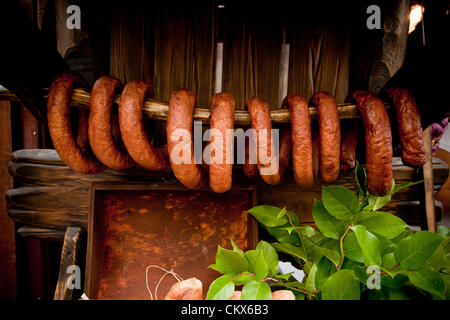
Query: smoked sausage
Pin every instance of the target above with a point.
(75, 154)
(409, 126)
(180, 141)
(302, 149)
(222, 107)
(283, 295)
(268, 159)
(329, 135)
(101, 125)
(250, 169)
(189, 289)
(132, 128)
(349, 136)
(378, 138)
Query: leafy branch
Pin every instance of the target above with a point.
(351, 236)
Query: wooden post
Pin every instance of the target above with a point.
(428, 182)
(8, 283)
(69, 257)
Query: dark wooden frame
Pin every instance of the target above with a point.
(169, 185)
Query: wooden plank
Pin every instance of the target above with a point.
(69, 256)
(40, 233)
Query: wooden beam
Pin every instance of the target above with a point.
(69, 257)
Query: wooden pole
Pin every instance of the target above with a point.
(158, 110)
(69, 257)
(428, 182)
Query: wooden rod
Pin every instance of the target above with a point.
(428, 181)
(158, 110)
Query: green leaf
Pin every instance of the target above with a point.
(361, 177)
(298, 295)
(221, 289)
(285, 276)
(376, 202)
(228, 261)
(408, 232)
(256, 290)
(369, 244)
(406, 185)
(382, 223)
(243, 278)
(310, 283)
(396, 282)
(440, 260)
(413, 251)
(289, 229)
(386, 244)
(293, 217)
(389, 263)
(282, 235)
(290, 249)
(281, 213)
(332, 244)
(270, 256)
(315, 252)
(360, 272)
(325, 269)
(257, 264)
(327, 224)
(340, 202)
(267, 215)
(342, 285)
(352, 248)
(235, 247)
(428, 280)
(443, 231)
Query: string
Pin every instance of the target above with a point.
(171, 272)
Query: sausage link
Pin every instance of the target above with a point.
(82, 130)
(316, 150)
(101, 125)
(378, 139)
(222, 107)
(348, 145)
(284, 150)
(302, 149)
(189, 289)
(267, 161)
(58, 115)
(330, 135)
(409, 126)
(132, 128)
(250, 169)
(179, 124)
